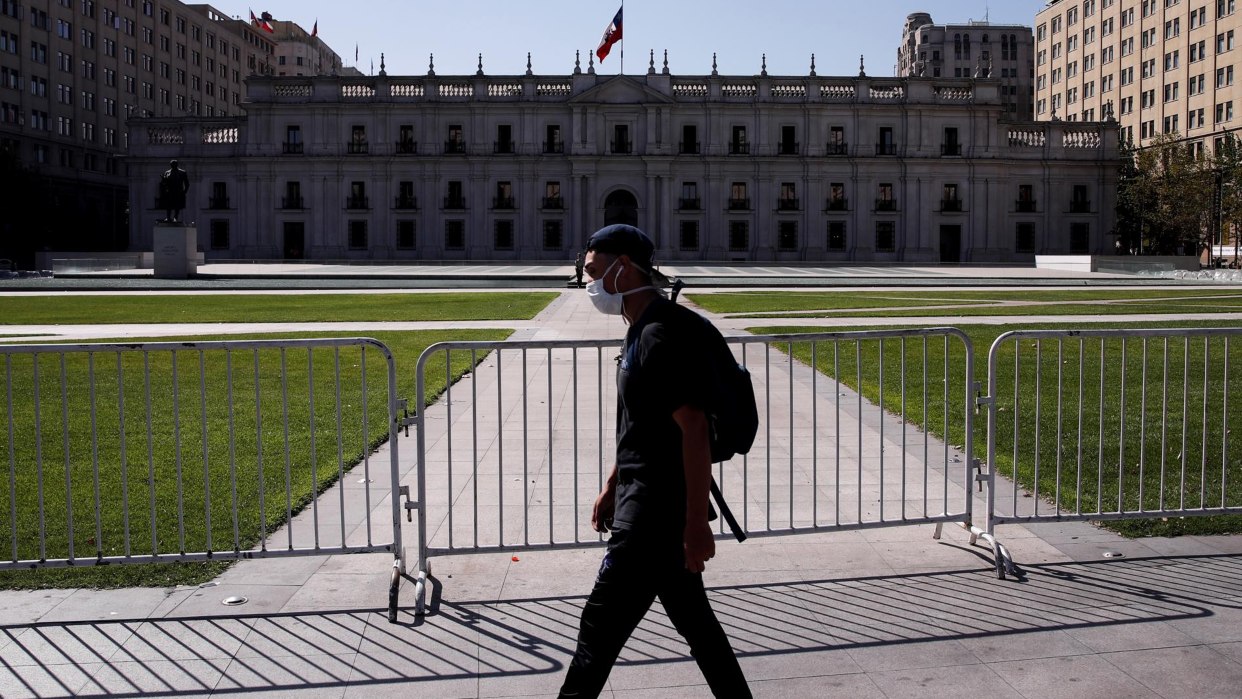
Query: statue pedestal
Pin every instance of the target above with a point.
(176, 251)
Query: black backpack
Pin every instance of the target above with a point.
(733, 412)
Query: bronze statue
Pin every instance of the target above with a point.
(174, 184)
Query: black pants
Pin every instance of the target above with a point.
(636, 570)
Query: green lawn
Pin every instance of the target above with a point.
(1134, 441)
(271, 308)
(852, 304)
(146, 478)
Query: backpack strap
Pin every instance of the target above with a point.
(738, 532)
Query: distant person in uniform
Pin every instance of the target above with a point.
(174, 184)
(578, 264)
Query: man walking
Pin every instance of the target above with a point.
(655, 499)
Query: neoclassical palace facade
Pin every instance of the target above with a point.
(716, 168)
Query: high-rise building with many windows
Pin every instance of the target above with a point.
(973, 49)
(72, 72)
(1158, 66)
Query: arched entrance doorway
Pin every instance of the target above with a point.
(621, 207)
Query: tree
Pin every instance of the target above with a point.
(1171, 189)
(1134, 191)
(1228, 164)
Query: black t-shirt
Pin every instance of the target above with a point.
(662, 368)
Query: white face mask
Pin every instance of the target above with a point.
(610, 303)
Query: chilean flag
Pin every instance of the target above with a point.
(262, 23)
(611, 36)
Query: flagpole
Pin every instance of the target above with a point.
(622, 67)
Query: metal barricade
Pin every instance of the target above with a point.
(197, 451)
(1113, 424)
(513, 456)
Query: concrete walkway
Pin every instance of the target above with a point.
(870, 613)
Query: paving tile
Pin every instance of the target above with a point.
(1222, 625)
(178, 677)
(25, 681)
(67, 644)
(1025, 646)
(185, 639)
(366, 589)
(330, 633)
(1107, 638)
(1232, 651)
(632, 672)
(937, 682)
(912, 655)
(1193, 671)
(108, 605)
(859, 686)
(288, 674)
(27, 606)
(1072, 677)
(209, 601)
(279, 570)
(797, 664)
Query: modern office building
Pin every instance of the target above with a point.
(733, 168)
(72, 72)
(974, 49)
(1158, 66)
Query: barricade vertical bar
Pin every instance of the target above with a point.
(1121, 437)
(1164, 420)
(858, 382)
(814, 436)
(903, 428)
(228, 373)
(746, 470)
(551, 469)
(1142, 428)
(525, 454)
(574, 387)
(176, 414)
(945, 409)
(202, 415)
(258, 443)
(836, 373)
(790, 370)
(599, 420)
(500, 450)
(1081, 410)
(1225, 425)
(284, 410)
(1181, 500)
(146, 389)
(38, 426)
(90, 374)
(474, 439)
(64, 422)
(366, 451)
(1039, 391)
(1099, 464)
(1017, 361)
(314, 456)
(340, 439)
(120, 392)
(880, 446)
(767, 389)
(1224, 428)
(448, 440)
(8, 402)
(1060, 401)
(1203, 440)
(927, 443)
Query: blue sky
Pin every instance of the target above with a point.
(738, 31)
